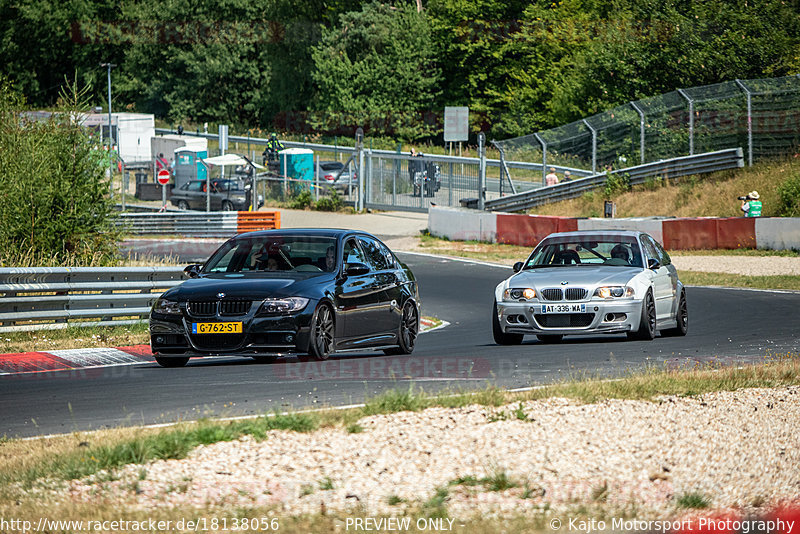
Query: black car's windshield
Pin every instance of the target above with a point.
(622, 251)
(277, 254)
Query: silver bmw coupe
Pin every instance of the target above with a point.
(591, 282)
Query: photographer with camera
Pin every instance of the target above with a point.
(751, 206)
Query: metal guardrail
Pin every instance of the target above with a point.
(672, 168)
(198, 224)
(51, 298)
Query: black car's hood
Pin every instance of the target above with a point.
(252, 286)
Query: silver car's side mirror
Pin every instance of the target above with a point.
(517, 267)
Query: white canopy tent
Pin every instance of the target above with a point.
(228, 160)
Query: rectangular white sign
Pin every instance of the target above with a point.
(456, 123)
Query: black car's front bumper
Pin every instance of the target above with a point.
(171, 335)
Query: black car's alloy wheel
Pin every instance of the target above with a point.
(409, 329)
(227, 205)
(182, 204)
(647, 324)
(321, 343)
(682, 319)
(171, 362)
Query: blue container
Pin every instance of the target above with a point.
(298, 164)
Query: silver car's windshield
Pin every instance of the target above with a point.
(281, 253)
(622, 251)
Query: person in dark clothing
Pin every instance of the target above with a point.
(273, 147)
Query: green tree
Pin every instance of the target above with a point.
(54, 202)
(378, 67)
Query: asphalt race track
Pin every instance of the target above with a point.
(724, 324)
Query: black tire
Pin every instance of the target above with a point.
(183, 205)
(408, 332)
(500, 337)
(227, 205)
(647, 324)
(323, 329)
(265, 359)
(682, 319)
(549, 338)
(171, 362)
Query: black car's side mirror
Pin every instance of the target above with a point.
(355, 269)
(193, 271)
(653, 264)
(518, 266)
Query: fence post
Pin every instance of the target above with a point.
(748, 95)
(594, 145)
(481, 170)
(362, 180)
(316, 179)
(544, 156)
(691, 120)
(368, 185)
(641, 130)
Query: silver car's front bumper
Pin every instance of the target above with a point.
(599, 317)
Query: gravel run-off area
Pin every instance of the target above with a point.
(738, 449)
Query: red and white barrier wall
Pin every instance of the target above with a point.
(675, 234)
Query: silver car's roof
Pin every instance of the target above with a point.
(598, 233)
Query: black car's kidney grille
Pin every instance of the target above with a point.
(552, 294)
(217, 341)
(202, 309)
(561, 320)
(575, 293)
(234, 307)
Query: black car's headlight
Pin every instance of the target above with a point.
(616, 292)
(285, 305)
(167, 307)
(525, 293)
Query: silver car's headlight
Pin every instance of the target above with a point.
(616, 292)
(285, 305)
(167, 307)
(513, 294)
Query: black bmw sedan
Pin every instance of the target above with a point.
(306, 292)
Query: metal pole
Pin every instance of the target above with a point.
(641, 130)
(316, 180)
(110, 136)
(370, 184)
(691, 120)
(544, 156)
(594, 145)
(481, 170)
(748, 95)
(362, 183)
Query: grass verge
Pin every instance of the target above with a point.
(22, 462)
(698, 278)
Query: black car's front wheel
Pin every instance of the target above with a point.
(182, 204)
(320, 345)
(171, 362)
(409, 330)
(227, 205)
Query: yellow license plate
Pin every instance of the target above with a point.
(217, 328)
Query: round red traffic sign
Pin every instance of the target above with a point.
(163, 176)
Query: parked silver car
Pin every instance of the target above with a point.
(334, 175)
(591, 282)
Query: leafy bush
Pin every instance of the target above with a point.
(333, 202)
(302, 201)
(616, 184)
(789, 197)
(55, 207)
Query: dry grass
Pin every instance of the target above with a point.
(712, 195)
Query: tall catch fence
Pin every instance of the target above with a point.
(761, 115)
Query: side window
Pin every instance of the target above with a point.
(375, 255)
(649, 249)
(352, 253)
(662, 254)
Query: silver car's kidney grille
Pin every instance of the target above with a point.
(234, 307)
(575, 293)
(201, 309)
(552, 294)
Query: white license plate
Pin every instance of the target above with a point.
(564, 308)
(217, 328)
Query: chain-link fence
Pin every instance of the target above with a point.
(762, 116)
